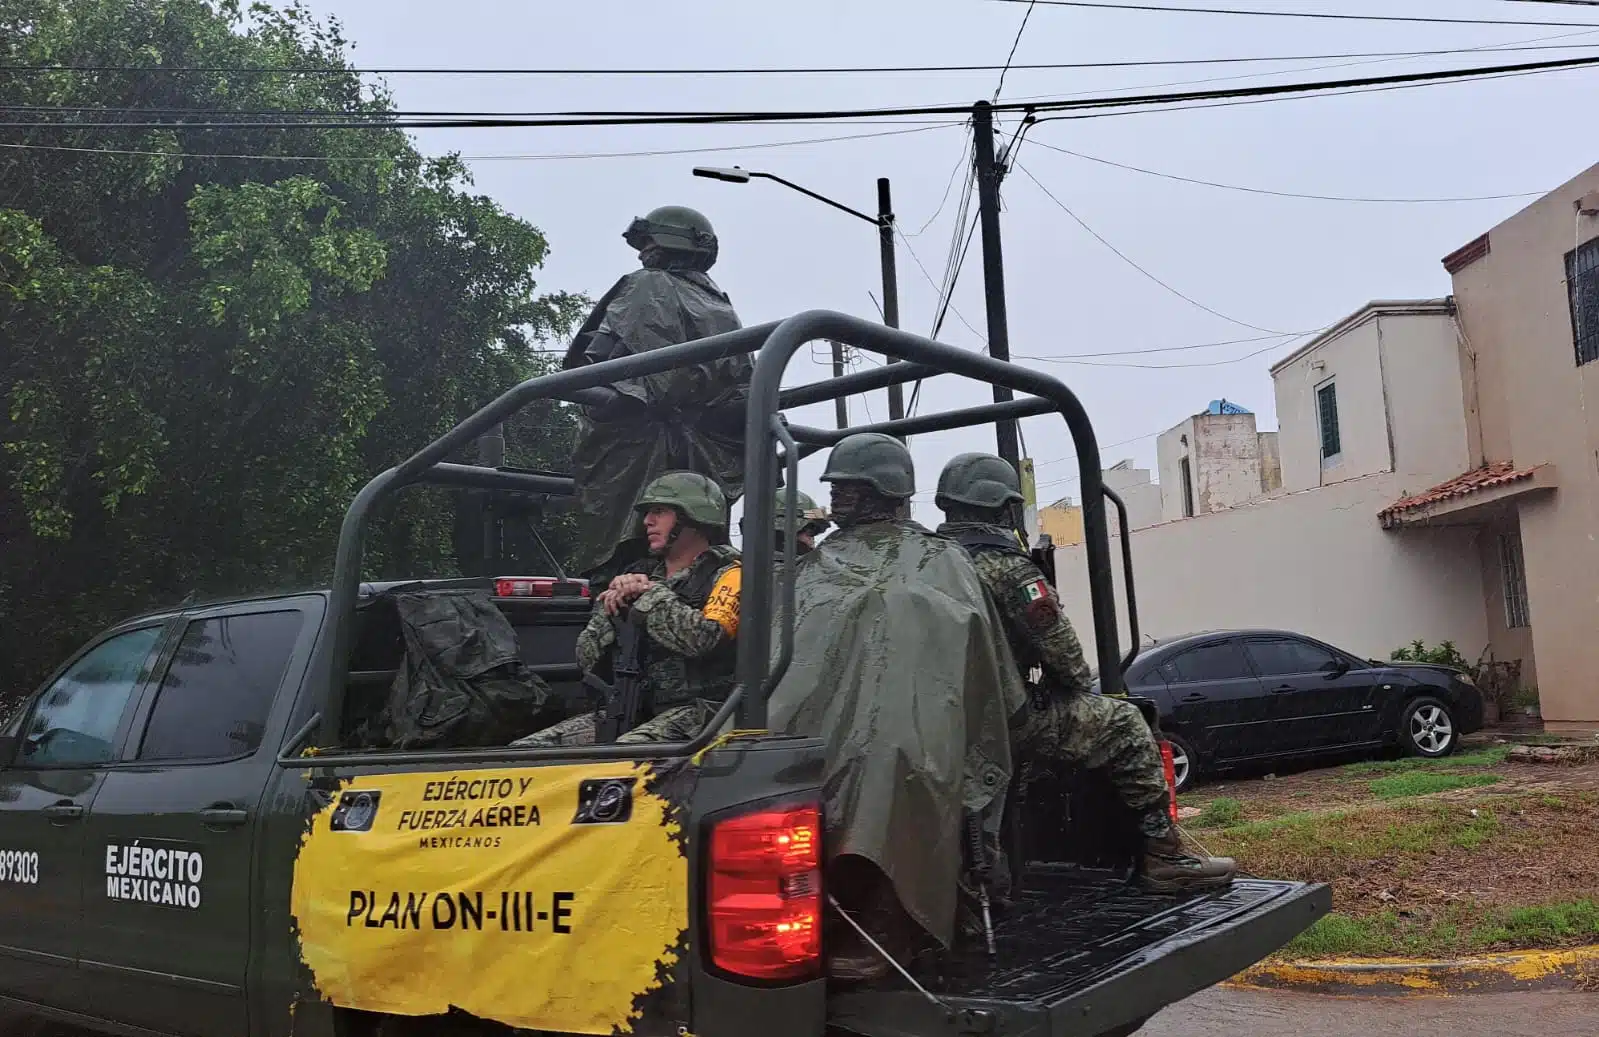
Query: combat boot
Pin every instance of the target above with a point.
(1168, 868)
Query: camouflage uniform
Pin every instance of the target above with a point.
(690, 622)
(1064, 722)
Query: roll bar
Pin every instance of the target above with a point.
(764, 431)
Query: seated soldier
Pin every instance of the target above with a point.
(813, 522)
(685, 597)
(899, 667)
(1065, 723)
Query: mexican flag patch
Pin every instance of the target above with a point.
(1038, 590)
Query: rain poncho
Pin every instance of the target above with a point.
(462, 682)
(691, 419)
(900, 665)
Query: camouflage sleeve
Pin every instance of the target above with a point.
(595, 638)
(1032, 608)
(684, 630)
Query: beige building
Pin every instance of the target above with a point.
(1528, 299)
(1439, 475)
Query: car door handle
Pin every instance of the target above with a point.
(223, 815)
(1194, 696)
(63, 812)
(1279, 689)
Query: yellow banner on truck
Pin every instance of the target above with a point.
(550, 898)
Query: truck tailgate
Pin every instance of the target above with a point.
(1080, 957)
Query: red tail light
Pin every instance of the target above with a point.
(539, 587)
(1168, 762)
(765, 894)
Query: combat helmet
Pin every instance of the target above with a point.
(812, 519)
(879, 460)
(676, 228)
(697, 500)
(978, 480)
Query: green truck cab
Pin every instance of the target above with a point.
(192, 842)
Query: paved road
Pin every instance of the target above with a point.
(1220, 1012)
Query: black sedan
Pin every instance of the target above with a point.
(1235, 697)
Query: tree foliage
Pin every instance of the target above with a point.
(210, 338)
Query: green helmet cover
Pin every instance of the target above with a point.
(698, 499)
(874, 458)
(810, 516)
(979, 480)
(675, 227)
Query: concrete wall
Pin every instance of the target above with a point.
(1534, 406)
(1271, 463)
(1421, 366)
(1138, 492)
(1223, 452)
(1063, 523)
(1171, 447)
(1315, 561)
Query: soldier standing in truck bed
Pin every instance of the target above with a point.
(1065, 722)
(689, 418)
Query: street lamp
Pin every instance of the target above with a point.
(883, 221)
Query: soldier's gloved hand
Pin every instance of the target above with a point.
(617, 406)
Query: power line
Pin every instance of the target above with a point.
(1132, 263)
(1066, 358)
(1048, 66)
(1324, 15)
(1014, 44)
(402, 120)
(1279, 341)
(517, 157)
(1287, 194)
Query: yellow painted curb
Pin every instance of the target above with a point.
(1514, 970)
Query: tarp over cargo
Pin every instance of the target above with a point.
(462, 682)
(692, 418)
(900, 666)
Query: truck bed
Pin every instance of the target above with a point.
(1083, 954)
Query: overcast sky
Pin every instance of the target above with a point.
(1280, 264)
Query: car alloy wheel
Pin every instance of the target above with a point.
(1183, 764)
(1430, 728)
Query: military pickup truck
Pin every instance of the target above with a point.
(192, 841)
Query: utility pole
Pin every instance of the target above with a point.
(885, 237)
(840, 405)
(988, 174)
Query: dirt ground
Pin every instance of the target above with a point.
(1468, 854)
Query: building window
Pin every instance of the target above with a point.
(1327, 417)
(1187, 472)
(1513, 575)
(1582, 290)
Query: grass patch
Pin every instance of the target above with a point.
(1463, 929)
(1423, 783)
(1481, 758)
(1220, 813)
(1320, 847)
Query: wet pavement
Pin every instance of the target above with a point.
(1220, 1012)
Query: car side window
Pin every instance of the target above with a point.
(1221, 661)
(213, 701)
(1281, 657)
(75, 720)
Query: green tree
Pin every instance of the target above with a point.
(210, 338)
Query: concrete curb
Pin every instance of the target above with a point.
(1572, 969)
